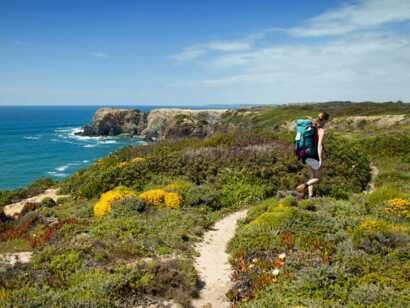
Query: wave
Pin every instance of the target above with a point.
(108, 142)
(59, 171)
(32, 137)
(69, 135)
(63, 168)
(57, 174)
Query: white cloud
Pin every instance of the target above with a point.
(189, 53)
(357, 58)
(363, 15)
(198, 50)
(99, 55)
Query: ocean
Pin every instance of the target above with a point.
(40, 141)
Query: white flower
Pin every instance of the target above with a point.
(275, 272)
(282, 256)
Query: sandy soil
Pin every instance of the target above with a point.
(14, 210)
(375, 172)
(213, 262)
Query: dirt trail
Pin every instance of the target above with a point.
(14, 210)
(372, 184)
(213, 262)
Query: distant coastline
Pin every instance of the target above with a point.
(40, 141)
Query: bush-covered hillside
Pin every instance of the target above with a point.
(125, 234)
(330, 252)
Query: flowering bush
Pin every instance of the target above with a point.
(137, 159)
(380, 237)
(381, 226)
(154, 196)
(122, 165)
(399, 207)
(172, 200)
(103, 206)
(160, 197)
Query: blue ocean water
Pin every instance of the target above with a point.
(40, 141)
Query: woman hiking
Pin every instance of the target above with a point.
(310, 143)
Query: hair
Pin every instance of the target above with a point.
(322, 118)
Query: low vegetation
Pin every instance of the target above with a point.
(125, 236)
(35, 188)
(331, 252)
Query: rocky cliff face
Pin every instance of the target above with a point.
(113, 122)
(156, 124)
(176, 123)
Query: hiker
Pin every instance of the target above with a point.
(309, 148)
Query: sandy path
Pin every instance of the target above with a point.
(213, 263)
(13, 210)
(372, 184)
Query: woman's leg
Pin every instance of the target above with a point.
(314, 178)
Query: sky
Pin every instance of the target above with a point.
(186, 52)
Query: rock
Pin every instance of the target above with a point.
(115, 121)
(157, 124)
(176, 123)
(13, 258)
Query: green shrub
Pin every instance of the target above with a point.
(382, 194)
(128, 207)
(203, 195)
(65, 263)
(263, 232)
(48, 202)
(379, 237)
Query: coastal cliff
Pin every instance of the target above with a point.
(156, 124)
(115, 121)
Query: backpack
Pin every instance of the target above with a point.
(306, 140)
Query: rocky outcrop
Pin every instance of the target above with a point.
(115, 121)
(176, 123)
(156, 124)
(17, 257)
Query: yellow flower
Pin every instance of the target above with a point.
(3, 294)
(153, 196)
(103, 206)
(399, 207)
(160, 197)
(137, 159)
(172, 200)
(99, 161)
(122, 165)
(381, 226)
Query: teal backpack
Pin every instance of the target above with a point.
(306, 140)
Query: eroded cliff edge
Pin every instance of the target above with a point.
(155, 124)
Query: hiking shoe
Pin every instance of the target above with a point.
(301, 189)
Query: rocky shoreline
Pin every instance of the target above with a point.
(153, 125)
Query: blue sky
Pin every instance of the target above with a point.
(203, 52)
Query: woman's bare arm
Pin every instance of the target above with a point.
(321, 134)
